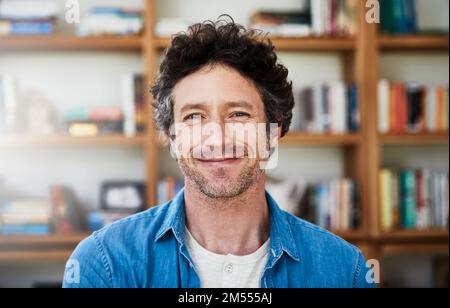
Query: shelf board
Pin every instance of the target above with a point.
(415, 248)
(28, 248)
(351, 236)
(62, 140)
(298, 139)
(415, 235)
(35, 256)
(68, 43)
(294, 44)
(413, 42)
(41, 240)
(414, 139)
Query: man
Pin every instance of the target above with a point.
(222, 229)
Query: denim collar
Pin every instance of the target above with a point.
(281, 237)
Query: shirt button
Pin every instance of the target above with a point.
(229, 268)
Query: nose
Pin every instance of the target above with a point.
(212, 140)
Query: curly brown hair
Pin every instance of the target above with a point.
(224, 42)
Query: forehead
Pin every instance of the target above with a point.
(215, 85)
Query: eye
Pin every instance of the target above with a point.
(193, 116)
(240, 114)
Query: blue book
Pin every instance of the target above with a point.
(411, 16)
(31, 28)
(408, 200)
(353, 112)
(25, 229)
(322, 196)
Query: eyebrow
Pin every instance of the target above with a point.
(202, 106)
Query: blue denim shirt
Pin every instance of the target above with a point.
(148, 250)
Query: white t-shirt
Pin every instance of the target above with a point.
(227, 271)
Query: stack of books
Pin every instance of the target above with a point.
(28, 17)
(27, 217)
(412, 108)
(90, 122)
(329, 108)
(168, 188)
(318, 17)
(414, 199)
(333, 205)
(111, 21)
(61, 214)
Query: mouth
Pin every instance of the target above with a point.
(218, 162)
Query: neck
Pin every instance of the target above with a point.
(237, 226)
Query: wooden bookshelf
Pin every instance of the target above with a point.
(70, 43)
(413, 42)
(294, 44)
(62, 140)
(414, 139)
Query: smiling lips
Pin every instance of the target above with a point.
(218, 161)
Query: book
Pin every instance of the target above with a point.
(328, 108)
(29, 217)
(133, 103)
(398, 16)
(413, 199)
(412, 107)
(318, 17)
(68, 217)
(334, 205)
(111, 21)
(90, 122)
(26, 27)
(387, 222)
(408, 201)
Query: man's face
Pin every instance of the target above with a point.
(219, 155)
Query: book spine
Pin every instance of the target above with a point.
(386, 198)
(408, 203)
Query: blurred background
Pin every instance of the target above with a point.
(367, 156)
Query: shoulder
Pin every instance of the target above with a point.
(316, 238)
(322, 251)
(124, 236)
